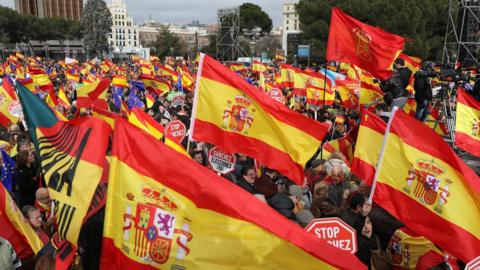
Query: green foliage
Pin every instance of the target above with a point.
(424, 22)
(167, 41)
(15, 27)
(252, 16)
(97, 25)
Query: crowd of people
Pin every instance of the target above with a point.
(329, 190)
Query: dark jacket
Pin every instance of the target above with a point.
(246, 186)
(283, 205)
(397, 83)
(423, 89)
(27, 185)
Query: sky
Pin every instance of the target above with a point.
(183, 11)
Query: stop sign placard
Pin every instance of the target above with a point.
(221, 161)
(474, 264)
(176, 131)
(335, 232)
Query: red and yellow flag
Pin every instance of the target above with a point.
(287, 73)
(258, 66)
(119, 81)
(153, 220)
(368, 146)
(156, 85)
(94, 93)
(167, 71)
(342, 145)
(370, 93)
(467, 126)
(317, 95)
(10, 108)
(425, 185)
(238, 67)
(365, 46)
(238, 118)
(16, 229)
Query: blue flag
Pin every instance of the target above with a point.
(138, 85)
(133, 100)
(179, 82)
(8, 171)
(117, 93)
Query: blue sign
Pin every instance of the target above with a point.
(303, 51)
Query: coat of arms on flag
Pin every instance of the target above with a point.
(238, 116)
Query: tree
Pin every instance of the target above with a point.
(252, 16)
(97, 25)
(166, 42)
(269, 44)
(424, 22)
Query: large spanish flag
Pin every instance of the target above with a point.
(425, 185)
(365, 46)
(467, 130)
(10, 108)
(15, 227)
(162, 213)
(238, 118)
(368, 146)
(72, 158)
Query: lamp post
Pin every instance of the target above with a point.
(253, 34)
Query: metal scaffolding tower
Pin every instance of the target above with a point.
(462, 38)
(228, 42)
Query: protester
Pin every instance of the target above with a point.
(423, 89)
(26, 178)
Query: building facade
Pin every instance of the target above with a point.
(124, 38)
(291, 24)
(68, 9)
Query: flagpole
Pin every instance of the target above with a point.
(195, 101)
(382, 153)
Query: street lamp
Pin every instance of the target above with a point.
(253, 34)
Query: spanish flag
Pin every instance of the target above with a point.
(149, 100)
(119, 81)
(368, 146)
(62, 98)
(317, 95)
(258, 66)
(346, 90)
(287, 73)
(93, 93)
(365, 46)
(146, 123)
(72, 158)
(370, 93)
(73, 75)
(235, 116)
(425, 185)
(279, 57)
(15, 227)
(153, 220)
(10, 108)
(39, 76)
(238, 67)
(167, 71)
(342, 145)
(155, 85)
(467, 130)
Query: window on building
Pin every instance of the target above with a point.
(287, 28)
(135, 43)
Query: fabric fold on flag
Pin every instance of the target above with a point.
(153, 220)
(425, 185)
(238, 118)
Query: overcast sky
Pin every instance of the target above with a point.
(183, 11)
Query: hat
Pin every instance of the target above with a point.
(304, 217)
(296, 191)
(265, 186)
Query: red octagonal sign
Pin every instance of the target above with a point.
(474, 264)
(335, 232)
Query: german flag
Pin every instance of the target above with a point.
(10, 108)
(155, 85)
(94, 93)
(425, 185)
(16, 229)
(467, 130)
(368, 146)
(72, 158)
(154, 220)
(238, 118)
